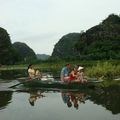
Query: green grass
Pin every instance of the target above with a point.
(108, 69)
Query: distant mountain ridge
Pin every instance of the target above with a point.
(42, 56)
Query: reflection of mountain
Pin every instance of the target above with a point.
(109, 98)
(5, 98)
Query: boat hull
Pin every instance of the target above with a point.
(58, 84)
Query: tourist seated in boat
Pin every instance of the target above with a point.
(76, 75)
(73, 75)
(33, 73)
(64, 76)
(38, 74)
(80, 75)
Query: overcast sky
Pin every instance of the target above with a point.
(41, 23)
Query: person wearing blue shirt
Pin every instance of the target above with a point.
(65, 73)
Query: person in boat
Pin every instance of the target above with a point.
(80, 74)
(64, 76)
(38, 74)
(76, 75)
(73, 75)
(33, 73)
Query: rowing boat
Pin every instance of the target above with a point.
(59, 84)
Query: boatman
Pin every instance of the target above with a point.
(64, 76)
(31, 71)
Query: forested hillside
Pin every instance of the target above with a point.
(16, 53)
(65, 46)
(97, 43)
(101, 41)
(7, 53)
(25, 52)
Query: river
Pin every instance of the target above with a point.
(56, 104)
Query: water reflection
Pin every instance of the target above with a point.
(34, 95)
(5, 98)
(74, 98)
(109, 98)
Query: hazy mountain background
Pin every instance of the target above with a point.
(100, 42)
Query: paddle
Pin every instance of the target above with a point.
(28, 80)
(19, 84)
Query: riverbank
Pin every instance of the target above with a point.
(109, 69)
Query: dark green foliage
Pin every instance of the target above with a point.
(12, 54)
(25, 53)
(109, 98)
(101, 41)
(65, 46)
(7, 52)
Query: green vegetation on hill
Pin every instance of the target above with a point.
(25, 53)
(65, 46)
(101, 41)
(16, 53)
(8, 54)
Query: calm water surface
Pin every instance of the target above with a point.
(18, 104)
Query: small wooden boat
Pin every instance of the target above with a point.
(35, 83)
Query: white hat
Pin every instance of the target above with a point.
(80, 68)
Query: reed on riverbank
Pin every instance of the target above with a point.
(108, 69)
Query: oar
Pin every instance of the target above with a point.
(19, 84)
(27, 80)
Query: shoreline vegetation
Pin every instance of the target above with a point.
(109, 69)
